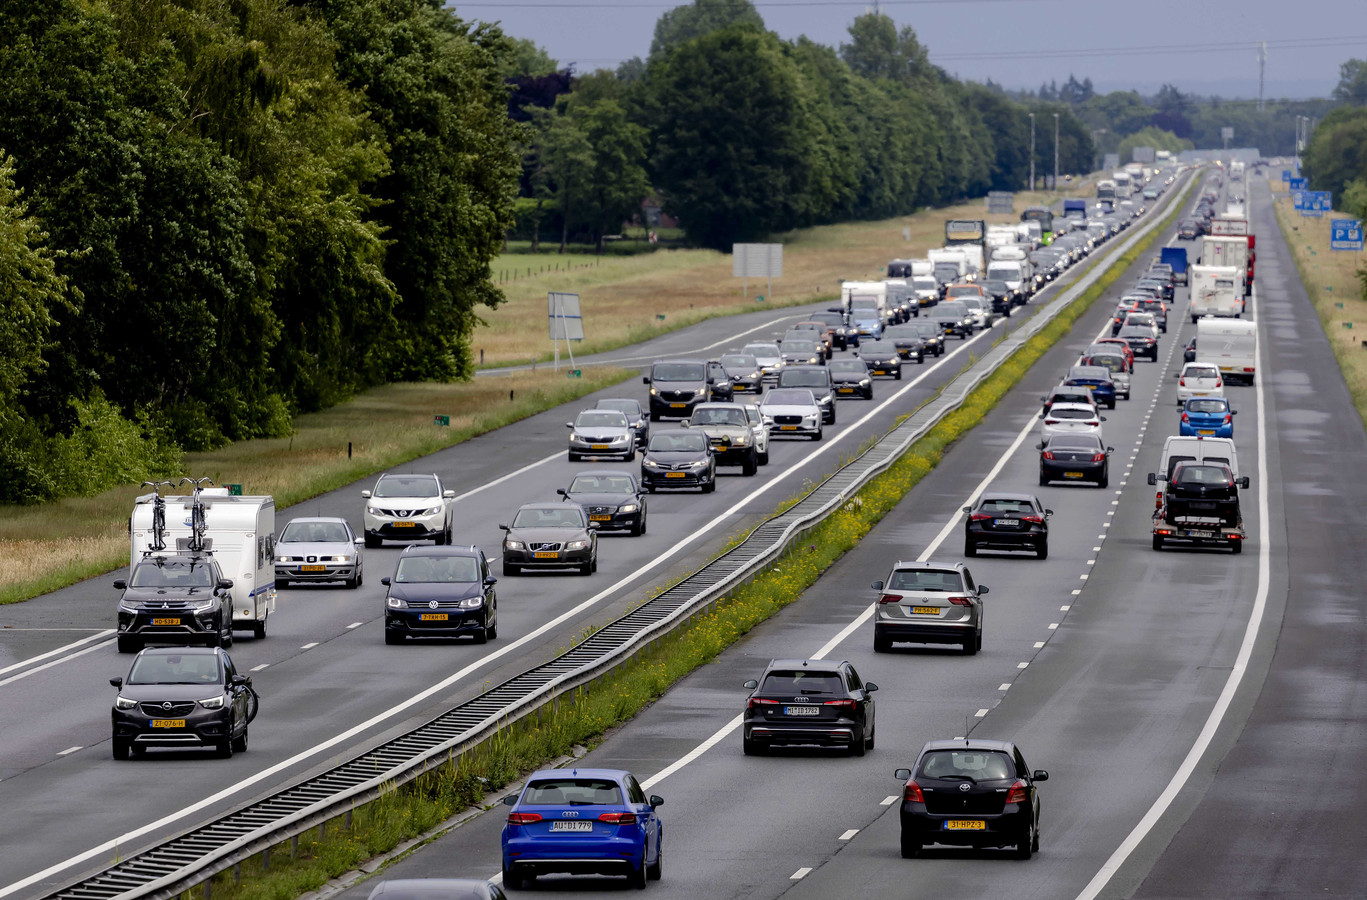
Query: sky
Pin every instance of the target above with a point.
(1202, 46)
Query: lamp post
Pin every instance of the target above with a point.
(1096, 146)
(1055, 151)
(1032, 151)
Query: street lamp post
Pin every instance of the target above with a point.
(1032, 151)
(1055, 151)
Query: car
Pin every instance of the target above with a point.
(1004, 298)
(1199, 380)
(1007, 521)
(980, 309)
(182, 697)
(436, 889)
(440, 592)
(728, 434)
(824, 336)
(550, 536)
(676, 386)
(842, 336)
(881, 357)
(929, 603)
(760, 429)
(1115, 344)
(744, 370)
(318, 549)
(1142, 340)
(1189, 351)
(1188, 230)
(1116, 365)
(792, 412)
(953, 318)
(851, 377)
(1123, 309)
(769, 357)
(908, 338)
(802, 351)
(1203, 490)
(601, 432)
(637, 417)
(719, 382)
(1065, 394)
(613, 499)
(926, 290)
(1207, 417)
(582, 821)
(932, 338)
(177, 598)
(678, 459)
(1097, 379)
(1139, 317)
(1154, 282)
(968, 289)
(809, 702)
(1070, 418)
(970, 792)
(1075, 457)
(407, 507)
(1159, 310)
(817, 380)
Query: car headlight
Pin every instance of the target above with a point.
(124, 703)
(124, 607)
(374, 511)
(212, 702)
(754, 374)
(739, 441)
(813, 360)
(396, 603)
(702, 391)
(341, 559)
(431, 511)
(620, 439)
(629, 508)
(645, 464)
(864, 382)
(700, 464)
(577, 545)
(514, 545)
(472, 602)
(204, 605)
(767, 419)
(653, 392)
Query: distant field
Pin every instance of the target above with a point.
(626, 299)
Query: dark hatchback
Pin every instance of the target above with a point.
(441, 592)
(679, 459)
(1002, 294)
(1098, 379)
(612, 499)
(178, 697)
(851, 377)
(809, 702)
(175, 599)
(1141, 340)
(744, 372)
(933, 338)
(1004, 521)
(816, 379)
(882, 358)
(970, 793)
(676, 386)
(1075, 457)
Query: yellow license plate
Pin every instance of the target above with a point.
(166, 621)
(675, 474)
(845, 390)
(168, 723)
(787, 428)
(598, 446)
(1209, 431)
(1072, 474)
(880, 371)
(405, 524)
(545, 554)
(677, 405)
(965, 825)
(926, 610)
(600, 518)
(313, 568)
(433, 617)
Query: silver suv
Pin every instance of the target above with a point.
(407, 508)
(929, 603)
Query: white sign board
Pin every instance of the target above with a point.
(757, 260)
(565, 321)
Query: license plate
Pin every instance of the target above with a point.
(545, 554)
(880, 371)
(845, 390)
(313, 568)
(405, 524)
(965, 825)
(433, 617)
(166, 621)
(598, 446)
(1006, 523)
(677, 405)
(787, 428)
(675, 474)
(1072, 474)
(571, 826)
(600, 518)
(801, 711)
(168, 723)
(926, 610)
(1206, 431)
(1200, 534)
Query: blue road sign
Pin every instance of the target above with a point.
(1345, 234)
(1298, 184)
(1286, 174)
(1298, 199)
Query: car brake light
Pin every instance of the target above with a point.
(760, 701)
(1033, 520)
(1186, 419)
(889, 598)
(843, 704)
(1182, 382)
(1018, 793)
(1047, 454)
(1248, 368)
(1219, 383)
(1158, 500)
(523, 818)
(1051, 421)
(1098, 457)
(912, 793)
(979, 517)
(618, 818)
(1228, 419)
(960, 601)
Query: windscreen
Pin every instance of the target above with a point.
(406, 486)
(877, 349)
(766, 350)
(1201, 372)
(315, 533)
(846, 365)
(1004, 273)
(739, 361)
(796, 378)
(600, 418)
(951, 308)
(562, 517)
(789, 398)
(680, 442)
(802, 682)
(924, 284)
(1086, 442)
(573, 792)
(602, 484)
(1057, 413)
(173, 574)
(946, 580)
(864, 304)
(436, 569)
(719, 416)
(678, 372)
(1002, 505)
(175, 668)
(800, 347)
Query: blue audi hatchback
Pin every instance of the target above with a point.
(1207, 417)
(579, 822)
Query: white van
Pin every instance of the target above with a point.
(1015, 272)
(1229, 344)
(1195, 449)
(240, 535)
(1215, 291)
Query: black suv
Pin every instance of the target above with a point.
(178, 697)
(676, 386)
(179, 598)
(970, 792)
(809, 701)
(441, 592)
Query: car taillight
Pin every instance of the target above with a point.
(1182, 382)
(760, 701)
(1048, 454)
(1098, 457)
(618, 818)
(521, 818)
(1051, 421)
(960, 601)
(1158, 500)
(890, 598)
(1033, 520)
(1018, 793)
(840, 704)
(1186, 419)
(1228, 419)
(912, 793)
(1219, 383)
(979, 517)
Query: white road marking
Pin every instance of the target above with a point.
(97, 636)
(68, 751)
(980, 713)
(355, 625)
(770, 324)
(1022, 665)
(849, 835)
(1076, 591)
(309, 646)
(58, 661)
(1053, 626)
(259, 668)
(1039, 644)
(800, 873)
(1003, 687)
(888, 801)
(1064, 608)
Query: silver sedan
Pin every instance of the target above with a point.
(318, 549)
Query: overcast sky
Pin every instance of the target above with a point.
(1204, 46)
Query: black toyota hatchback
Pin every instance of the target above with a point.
(809, 701)
(1003, 521)
(970, 793)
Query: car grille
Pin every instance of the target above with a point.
(547, 547)
(787, 420)
(677, 396)
(607, 439)
(175, 709)
(601, 510)
(401, 513)
(427, 604)
(951, 801)
(163, 604)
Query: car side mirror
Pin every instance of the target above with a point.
(656, 801)
(1243, 482)
(225, 584)
(490, 579)
(751, 684)
(448, 495)
(870, 687)
(645, 380)
(1153, 478)
(1040, 445)
(1039, 775)
(983, 589)
(902, 774)
(877, 585)
(1102, 418)
(1110, 450)
(968, 509)
(502, 527)
(385, 581)
(1233, 412)
(510, 800)
(121, 585)
(116, 682)
(241, 681)
(569, 424)
(360, 541)
(1048, 514)
(365, 494)
(561, 492)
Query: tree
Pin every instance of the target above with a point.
(522, 57)
(684, 23)
(1171, 111)
(1337, 153)
(1352, 86)
(1153, 137)
(615, 182)
(878, 50)
(569, 161)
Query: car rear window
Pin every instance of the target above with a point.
(1196, 473)
(802, 681)
(1207, 406)
(1022, 507)
(978, 765)
(1070, 413)
(947, 580)
(1088, 442)
(573, 792)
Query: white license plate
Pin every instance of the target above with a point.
(1200, 534)
(802, 710)
(571, 826)
(1006, 523)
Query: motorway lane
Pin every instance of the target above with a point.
(742, 826)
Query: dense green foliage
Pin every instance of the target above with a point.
(1336, 158)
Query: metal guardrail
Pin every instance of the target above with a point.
(175, 865)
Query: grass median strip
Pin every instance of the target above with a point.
(413, 810)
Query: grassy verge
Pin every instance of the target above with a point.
(46, 547)
(1332, 282)
(583, 718)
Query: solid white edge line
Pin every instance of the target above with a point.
(726, 340)
(1236, 676)
(99, 635)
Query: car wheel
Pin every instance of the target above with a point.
(512, 880)
(764, 458)
(259, 627)
(750, 747)
(638, 527)
(1105, 479)
(639, 876)
(225, 749)
(857, 746)
(711, 486)
(586, 569)
(970, 645)
(129, 644)
(818, 435)
(1042, 550)
(239, 744)
(911, 848)
(1158, 542)
(1026, 848)
(898, 376)
(868, 742)
(510, 569)
(656, 869)
(751, 465)
(121, 747)
(372, 542)
(1236, 546)
(970, 548)
(482, 635)
(881, 643)
(281, 583)
(650, 488)
(654, 417)
(393, 637)
(573, 457)
(978, 640)
(1043, 480)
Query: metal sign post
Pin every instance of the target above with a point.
(566, 322)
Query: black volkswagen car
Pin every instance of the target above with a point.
(613, 499)
(851, 377)
(1007, 521)
(179, 697)
(551, 536)
(441, 592)
(1075, 457)
(677, 459)
(809, 701)
(175, 599)
(908, 339)
(970, 793)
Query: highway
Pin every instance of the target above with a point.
(328, 684)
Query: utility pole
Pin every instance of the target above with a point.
(1055, 151)
(1032, 151)
(1262, 70)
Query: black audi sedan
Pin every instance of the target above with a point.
(1007, 521)
(1075, 457)
(970, 793)
(182, 697)
(811, 702)
(612, 498)
(678, 459)
(551, 536)
(441, 592)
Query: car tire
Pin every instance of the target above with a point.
(129, 644)
(857, 746)
(224, 749)
(573, 457)
(751, 747)
(1236, 546)
(239, 744)
(638, 528)
(512, 880)
(764, 458)
(393, 637)
(281, 583)
(259, 627)
(510, 569)
(650, 488)
(911, 848)
(1158, 542)
(586, 569)
(482, 635)
(372, 542)
(1105, 481)
(121, 748)
(1043, 480)
(1042, 550)
(655, 871)
(654, 417)
(819, 433)
(970, 549)
(639, 876)
(751, 465)
(711, 486)
(881, 643)
(868, 741)
(970, 645)
(353, 583)
(1026, 848)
